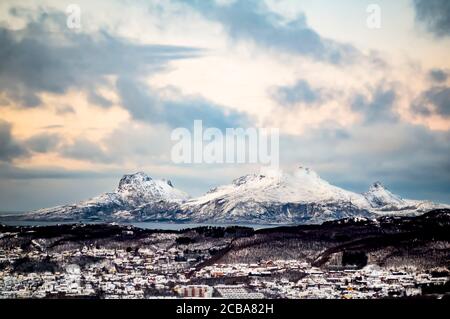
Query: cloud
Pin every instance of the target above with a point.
(137, 144)
(38, 59)
(378, 108)
(10, 148)
(23, 189)
(409, 159)
(300, 92)
(253, 21)
(64, 110)
(99, 100)
(43, 143)
(86, 150)
(46, 57)
(147, 105)
(140, 144)
(52, 127)
(9, 171)
(435, 100)
(435, 15)
(438, 75)
(35, 60)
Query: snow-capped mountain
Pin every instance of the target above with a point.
(134, 191)
(378, 196)
(272, 197)
(301, 197)
(138, 189)
(383, 202)
(276, 197)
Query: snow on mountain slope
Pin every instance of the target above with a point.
(383, 202)
(378, 196)
(138, 189)
(301, 197)
(276, 197)
(134, 191)
(270, 197)
(303, 186)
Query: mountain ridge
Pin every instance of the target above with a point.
(271, 197)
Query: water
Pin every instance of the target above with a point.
(174, 226)
(145, 225)
(6, 214)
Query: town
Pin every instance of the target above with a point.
(176, 273)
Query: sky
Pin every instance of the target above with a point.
(81, 106)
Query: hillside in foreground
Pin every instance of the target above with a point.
(356, 257)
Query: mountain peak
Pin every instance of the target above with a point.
(247, 178)
(168, 182)
(306, 172)
(377, 185)
(139, 188)
(305, 169)
(269, 196)
(379, 196)
(136, 178)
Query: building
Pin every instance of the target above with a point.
(195, 291)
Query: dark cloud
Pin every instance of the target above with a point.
(146, 105)
(99, 100)
(436, 100)
(435, 15)
(40, 59)
(251, 20)
(379, 107)
(300, 92)
(10, 148)
(42, 143)
(438, 75)
(34, 60)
